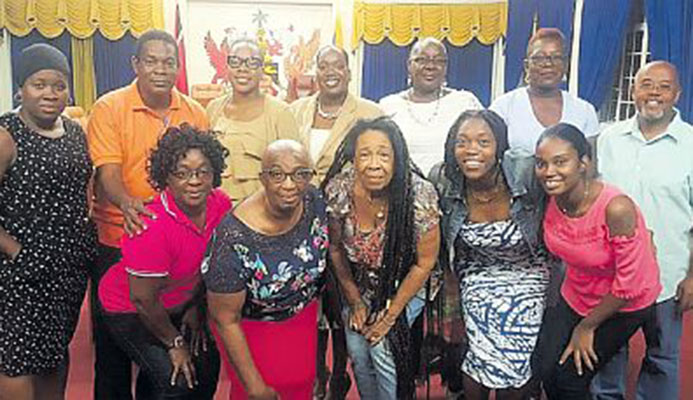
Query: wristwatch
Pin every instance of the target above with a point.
(176, 343)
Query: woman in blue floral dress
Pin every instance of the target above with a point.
(263, 277)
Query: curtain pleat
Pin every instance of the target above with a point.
(83, 72)
(112, 62)
(402, 24)
(604, 25)
(670, 26)
(81, 17)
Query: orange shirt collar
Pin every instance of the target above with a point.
(137, 103)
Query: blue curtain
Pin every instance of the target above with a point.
(385, 69)
(670, 25)
(470, 68)
(550, 13)
(604, 25)
(112, 62)
(19, 43)
(520, 16)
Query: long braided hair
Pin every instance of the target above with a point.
(399, 250)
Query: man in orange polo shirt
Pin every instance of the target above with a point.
(124, 127)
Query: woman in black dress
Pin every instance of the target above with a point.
(46, 239)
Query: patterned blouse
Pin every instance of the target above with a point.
(365, 249)
(280, 274)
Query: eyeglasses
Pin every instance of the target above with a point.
(436, 61)
(299, 176)
(553, 59)
(185, 175)
(250, 62)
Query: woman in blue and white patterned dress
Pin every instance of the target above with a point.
(492, 217)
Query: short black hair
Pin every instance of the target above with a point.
(498, 128)
(571, 134)
(175, 144)
(155, 34)
(331, 47)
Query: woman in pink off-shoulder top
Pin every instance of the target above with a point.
(612, 277)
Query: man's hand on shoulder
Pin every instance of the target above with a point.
(132, 209)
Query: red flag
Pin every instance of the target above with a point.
(182, 78)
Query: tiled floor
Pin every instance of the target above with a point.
(81, 369)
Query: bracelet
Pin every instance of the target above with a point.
(358, 306)
(176, 343)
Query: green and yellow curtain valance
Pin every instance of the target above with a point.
(403, 23)
(81, 17)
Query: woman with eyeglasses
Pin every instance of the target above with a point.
(263, 278)
(530, 109)
(427, 108)
(384, 241)
(151, 301)
(247, 119)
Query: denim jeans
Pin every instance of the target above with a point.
(659, 375)
(145, 350)
(374, 366)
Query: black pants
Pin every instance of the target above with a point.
(112, 367)
(145, 350)
(562, 382)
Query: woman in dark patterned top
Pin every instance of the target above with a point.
(263, 278)
(46, 238)
(384, 242)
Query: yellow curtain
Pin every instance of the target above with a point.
(83, 76)
(81, 17)
(403, 23)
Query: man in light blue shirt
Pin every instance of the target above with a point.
(650, 157)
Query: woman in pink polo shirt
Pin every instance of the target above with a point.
(151, 300)
(612, 277)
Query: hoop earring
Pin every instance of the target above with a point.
(70, 101)
(17, 97)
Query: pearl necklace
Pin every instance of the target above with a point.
(432, 117)
(328, 115)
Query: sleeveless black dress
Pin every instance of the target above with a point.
(43, 204)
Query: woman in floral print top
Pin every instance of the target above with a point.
(384, 241)
(263, 277)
